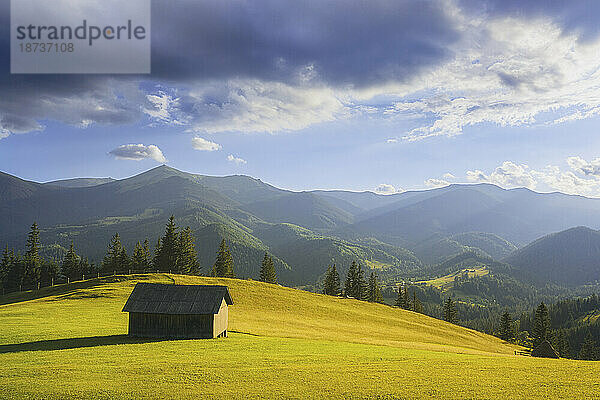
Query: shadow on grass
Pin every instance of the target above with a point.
(74, 343)
(72, 290)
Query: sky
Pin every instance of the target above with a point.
(372, 95)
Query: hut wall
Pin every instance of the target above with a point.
(220, 320)
(171, 326)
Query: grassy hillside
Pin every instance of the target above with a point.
(284, 343)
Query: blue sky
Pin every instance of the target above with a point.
(394, 96)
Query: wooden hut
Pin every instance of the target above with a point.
(545, 349)
(178, 311)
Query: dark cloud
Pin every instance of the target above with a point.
(356, 42)
(308, 42)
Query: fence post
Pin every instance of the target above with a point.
(114, 272)
(98, 275)
(38, 285)
(83, 277)
(169, 271)
(68, 280)
(20, 287)
(52, 284)
(129, 272)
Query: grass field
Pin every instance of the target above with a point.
(447, 281)
(286, 343)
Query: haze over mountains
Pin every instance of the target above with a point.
(305, 231)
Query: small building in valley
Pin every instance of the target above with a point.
(545, 349)
(178, 311)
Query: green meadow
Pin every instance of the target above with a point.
(70, 342)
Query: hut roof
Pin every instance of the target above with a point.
(545, 349)
(154, 298)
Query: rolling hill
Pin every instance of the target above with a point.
(394, 234)
(570, 257)
(283, 343)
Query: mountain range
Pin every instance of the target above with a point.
(305, 231)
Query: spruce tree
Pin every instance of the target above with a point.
(124, 261)
(187, 260)
(155, 259)
(507, 329)
(359, 286)
(541, 325)
(267, 270)
(50, 270)
(560, 343)
(114, 255)
(139, 259)
(374, 291)
(70, 264)
(224, 263)
(33, 260)
(450, 313)
(589, 351)
(403, 300)
(350, 278)
(417, 306)
(167, 258)
(147, 255)
(332, 282)
(6, 265)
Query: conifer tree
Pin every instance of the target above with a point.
(507, 329)
(360, 284)
(124, 261)
(187, 260)
(70, 264)
(403, 300)
(114, 255)
(147, 254)
(374, 291)
(85, 268)
(155, 259)
(417, 306)
(50, 270)
(6, 265)
(541, 325)
(33, 261)
(139, 259)
(169, 248)
(267, 270)
(589, 351)
(560, 343)
(332, 282)
(350, 278)
(15, 268)
(224, 263)
(450, 313)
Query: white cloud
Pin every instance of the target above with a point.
(507, 71)
(392, 140)
(202, 144)
(138, 152)
(386, 188)
(581, 177)
(584, 167)
(237, 160)
(448, 175)
(247, 106)
(435, 183)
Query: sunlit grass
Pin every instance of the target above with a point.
(288, 343)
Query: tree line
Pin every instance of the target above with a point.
(175, 251)
(356, 286)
